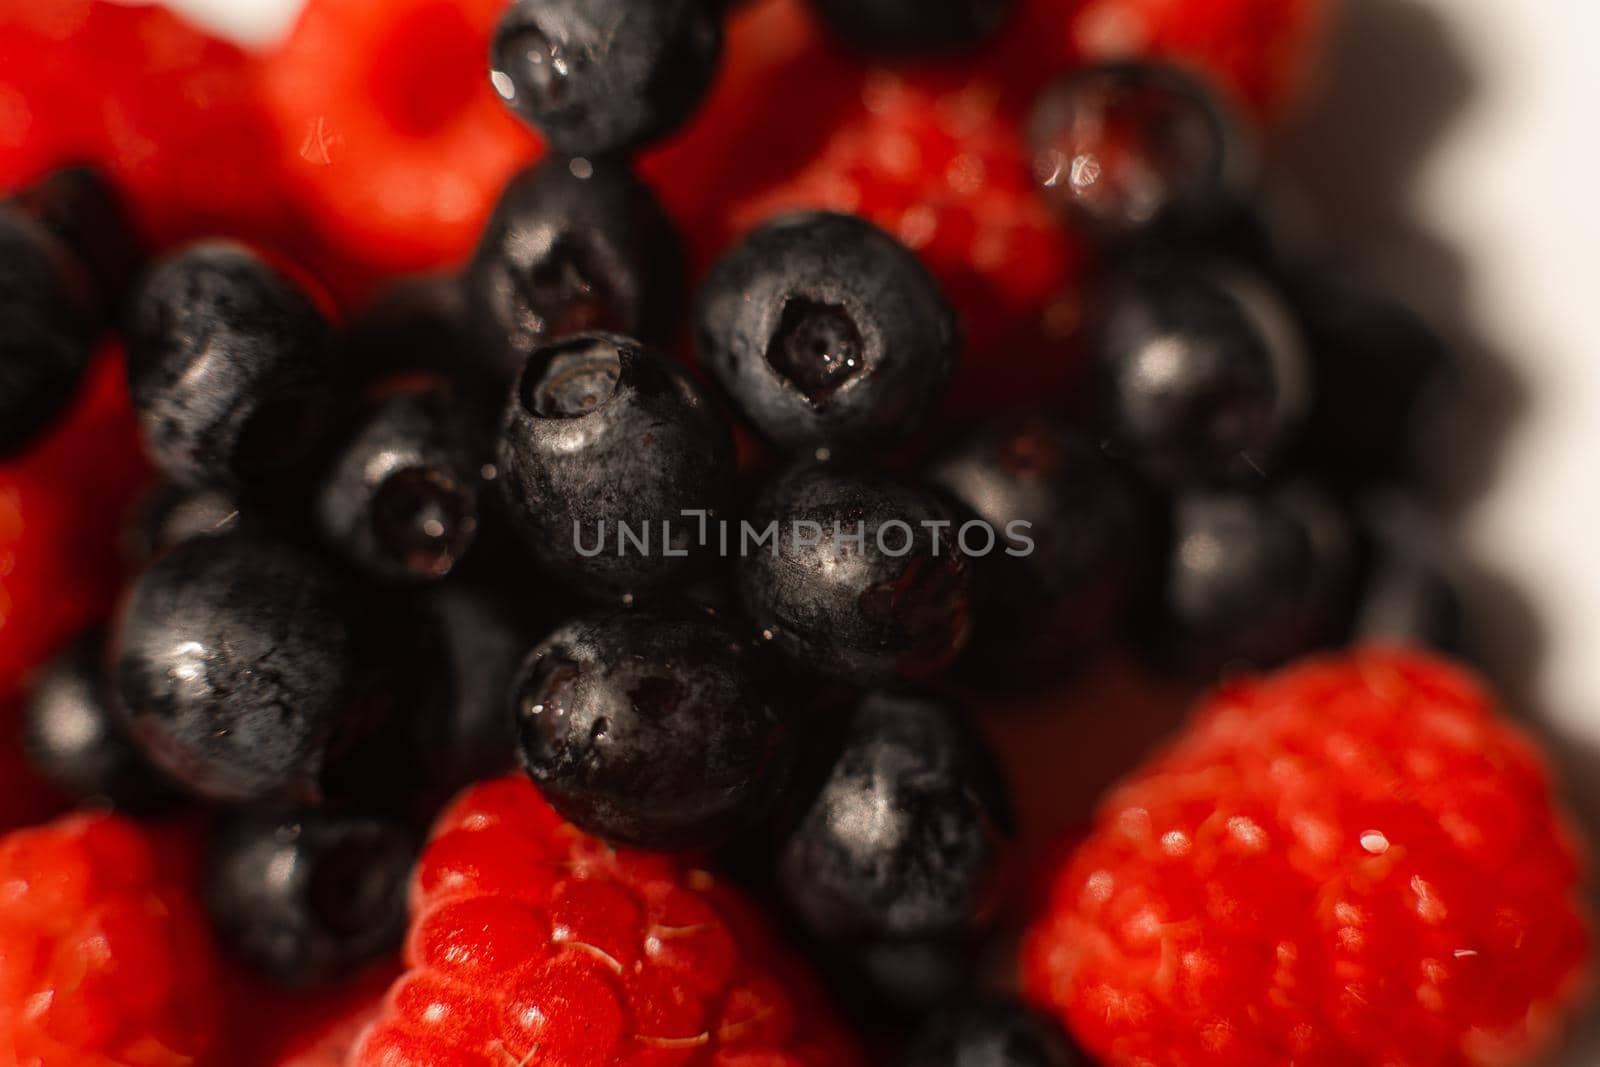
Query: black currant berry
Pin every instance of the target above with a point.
(167, 515)
(244, 668)
(650, 730)
(1129, 147)
(1056, 585)
(827, 333)
(905, 838)
(605, 449)
(1203, 372)
(575, 246)
(858, 578)
(80, 206)
(305, 900)
(48, 324)
(401, 496)
(598, 76)
(1252, 579)
(75, 736)
(226, 360)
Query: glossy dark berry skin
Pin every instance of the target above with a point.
(1383, 377)
(1039, 610)
(574, 246)
(859, 614)
(243, 666)
(168, 515)
(423, 325)
(227, 365)
(913, 27)
(1203, 373)
(992, 1032)
(81, 207)
(307, 899)
(904, 840)
(474, 660)
(826, 333)
(48, 321)
(1252, 579)
(599, 76)
(75, 736)
(400, 498)
(601, 431)
(1130, 148)
(650, 730)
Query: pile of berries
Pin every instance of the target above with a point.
(603, 504)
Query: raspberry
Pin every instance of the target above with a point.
(942, 165)
(1356, 860)
(169, 112)
(104, 957)
(530, 937)
(391, 137)
(61, 507)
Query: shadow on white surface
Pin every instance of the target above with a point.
(1398, 80)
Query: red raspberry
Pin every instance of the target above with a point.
(533, 941)
(104, 955)
(393, 140)
(1356, 860)
(169, 111)
(943, 166)
(61, 508)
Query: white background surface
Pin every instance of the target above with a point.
(1457, 153)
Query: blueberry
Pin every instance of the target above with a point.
(650, 730)
(1130, 147)
(914, 27)
(1411, 581)
(604, 445)
(423, 325)
(904, 840)
(1383, 377)
(307, 899)
(401, 496)
(226, 360)
(80, 206)
(858, 578)
(244, 668)
(1203, 373)
(1252, 579)
(167, 515)
(48, 323)
(479, 649)
(596, 76)
(827, 332)
(992, 1032)
(74, 735)
(1056, 588)
(575, 246)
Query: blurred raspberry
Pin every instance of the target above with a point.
(104, 956)
(389, 135)
(1357, 860)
